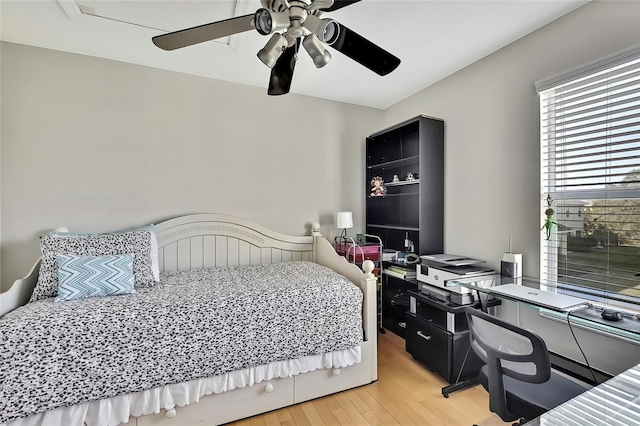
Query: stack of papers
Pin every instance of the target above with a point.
(398, 272)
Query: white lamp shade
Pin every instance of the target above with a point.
(344, 220)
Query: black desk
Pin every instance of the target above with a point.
(437, 335)
(395, 297)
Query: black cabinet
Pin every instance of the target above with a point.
(429, 345)
(437, 335)
(395, 303)
(410, 208)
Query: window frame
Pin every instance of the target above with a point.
(549, 250)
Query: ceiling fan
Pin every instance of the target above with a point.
(291, 23)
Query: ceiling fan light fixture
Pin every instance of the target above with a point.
(327, 30)
(316, 50)
(270, 53)
(268, 22)
(290, 24)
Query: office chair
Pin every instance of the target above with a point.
(517, 374)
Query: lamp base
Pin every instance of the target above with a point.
(343, 239)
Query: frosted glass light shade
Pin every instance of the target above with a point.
(344, 220)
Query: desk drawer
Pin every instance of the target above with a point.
(431, 314)
(430, 345)
(359, 253)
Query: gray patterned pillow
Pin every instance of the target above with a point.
(136, 242)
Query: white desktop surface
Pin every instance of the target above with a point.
(614, 402)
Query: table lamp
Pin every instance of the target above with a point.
(344, 221)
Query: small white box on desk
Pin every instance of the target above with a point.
(513, 264)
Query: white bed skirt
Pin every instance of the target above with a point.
(116, 410)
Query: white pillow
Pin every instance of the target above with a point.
(137, 242)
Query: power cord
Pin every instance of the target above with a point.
(579, 347)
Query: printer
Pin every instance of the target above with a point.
(435, 269)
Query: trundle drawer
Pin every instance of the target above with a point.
(219, 408)
(322, 382)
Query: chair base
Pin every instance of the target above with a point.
(464, 384)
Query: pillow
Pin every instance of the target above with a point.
(136, 242)
(155, 265)
(94, 276)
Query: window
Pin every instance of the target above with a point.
(590, 151)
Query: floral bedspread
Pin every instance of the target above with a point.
(193, 324)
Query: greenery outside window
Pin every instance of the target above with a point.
(590, 174)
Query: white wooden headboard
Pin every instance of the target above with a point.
(210, 240)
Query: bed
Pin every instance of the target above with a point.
(191, 249)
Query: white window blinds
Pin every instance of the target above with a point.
(590, 172)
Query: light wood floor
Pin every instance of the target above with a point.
(406, 393)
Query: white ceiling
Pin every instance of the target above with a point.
(432, 38)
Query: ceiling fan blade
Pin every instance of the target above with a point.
(339, 4)
(282, 71)
(202, 33)
(365, 52)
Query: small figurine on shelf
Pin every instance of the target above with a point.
(396, 179)
(315, 230)
(377, 187)
(410, 177)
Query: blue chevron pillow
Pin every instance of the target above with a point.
(94, 276)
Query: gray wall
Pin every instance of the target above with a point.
(98, 145)
(1, 287)
(491, 115)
